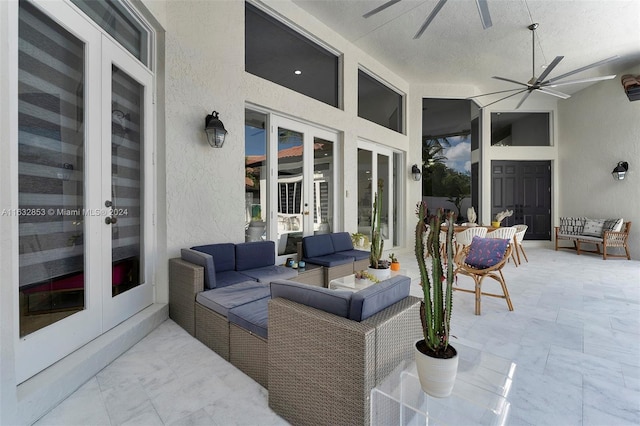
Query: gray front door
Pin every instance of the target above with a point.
(525, 188)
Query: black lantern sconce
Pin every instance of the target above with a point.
(620, 170)
(215, 130)
(416, 174)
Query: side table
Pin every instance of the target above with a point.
(479, 396)
(311, 274)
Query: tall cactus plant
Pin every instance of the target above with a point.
(377, 244)
(435, 309)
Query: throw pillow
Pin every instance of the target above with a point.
(486, 252)
(614, 225)
(593, 227)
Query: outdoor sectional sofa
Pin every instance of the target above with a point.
(319, 352)
(608, 233)
(335, 252)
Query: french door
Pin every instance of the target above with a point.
(303, 193)
(84, 148)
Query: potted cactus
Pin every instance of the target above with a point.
(377, 266)
(395, 265)
(436, 360)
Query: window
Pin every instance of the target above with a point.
(520, 129)
(379, 103)
(283, 56)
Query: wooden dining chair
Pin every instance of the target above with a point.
(484, 257)
(521, 229)
(506, 233)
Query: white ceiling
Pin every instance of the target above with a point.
(455, 49)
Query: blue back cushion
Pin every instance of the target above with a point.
(486, 252)
(332, 301)
(341, 241)
(317, 245)
(224, 255)
(376, 297)
(202, 259)
(255, 254)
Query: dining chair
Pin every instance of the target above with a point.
(484, 257)
(506, 233)
(464, 238)
(519, 237)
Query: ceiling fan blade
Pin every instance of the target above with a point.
(582, 80)
(506, 97)
(380, 8)
(524, 98)
(483, 9)
(510, 81)
(427, 21)
(547, 70)
(494, 93)
(586, 67)
(554, 93)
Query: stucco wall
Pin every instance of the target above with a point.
(599, 127)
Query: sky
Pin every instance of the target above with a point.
(459, 154)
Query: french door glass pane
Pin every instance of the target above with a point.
(290, 190)
(51, 171)
(322, 185)
(126, 182)
(383, 176)
(255, 174)
(365, 191)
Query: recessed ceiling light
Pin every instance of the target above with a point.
(297, 72)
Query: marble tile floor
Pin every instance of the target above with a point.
(574, 335)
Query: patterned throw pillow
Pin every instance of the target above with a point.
(486, 252)
(572, 225)
(593, 227)
(612, 225)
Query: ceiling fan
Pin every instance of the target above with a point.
(483, 9)
(544, 86)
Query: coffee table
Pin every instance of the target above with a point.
(350, 283)
(479, 396)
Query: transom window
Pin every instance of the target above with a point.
(379, 103)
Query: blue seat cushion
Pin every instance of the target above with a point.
(224, 255)
(355, 254)
(227, 278)
(270, 273)
(333, 301)
(317, 245)
(256, 254)
(486, 252)
(341, 241)
(376, 297)
(201, 259)
(220, 300)
(329, 260)
(252, 316)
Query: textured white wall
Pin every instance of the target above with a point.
(599, 127)
(205, 71)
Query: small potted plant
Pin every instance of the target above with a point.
(436, 360)
(500, 216)
(363, 276)
(395, 265)
(377, 266)
(358, 239)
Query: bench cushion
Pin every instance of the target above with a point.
(329, 260)
(224, 255)
(220, 300)
(486, 252)
(341, 241)
(333, 301)
(252, 316)
(376, 297)
(317, 245)
(270, 273)
(256, 254)
(201, 259)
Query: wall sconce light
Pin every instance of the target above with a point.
(620, 170)
(215, 130)
(416, 173)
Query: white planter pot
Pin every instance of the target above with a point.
(437, 376)
(380, 274)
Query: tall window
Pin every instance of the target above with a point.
(379, 103)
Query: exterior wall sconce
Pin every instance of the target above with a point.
(416, 173)
(620, 170)
(215, 130)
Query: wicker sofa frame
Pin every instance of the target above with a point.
(609, 240)
(319, 368)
